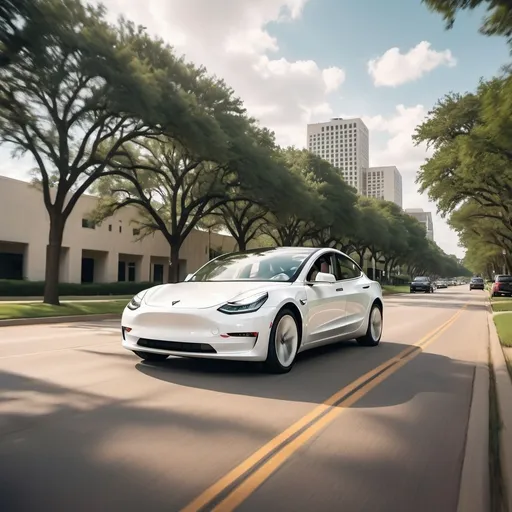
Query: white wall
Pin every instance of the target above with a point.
(23, 219)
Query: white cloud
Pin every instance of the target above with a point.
(399, 149)
(231, 39)
(394, 68)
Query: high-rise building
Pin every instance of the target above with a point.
(344, 143)
(384, 183)
(425, 218)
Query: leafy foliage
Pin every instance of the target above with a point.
(498, 20)
(470, 172)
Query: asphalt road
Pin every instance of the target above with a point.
(85, 426)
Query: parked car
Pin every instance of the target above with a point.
(502, 286)
(260, 305)
(441, 284)
(476, 283)
(422, 284)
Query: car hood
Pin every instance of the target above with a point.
(204, 294)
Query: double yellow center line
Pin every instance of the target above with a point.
(235, 487)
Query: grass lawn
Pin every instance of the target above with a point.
(501, 305)
(82, 298)
(504, 327)
(40, 310)
(389, 290)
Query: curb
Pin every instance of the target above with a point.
(504, 397)
(57, 319)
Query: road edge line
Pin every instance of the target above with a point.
(13, 322)
(504, 397)
(474, 490)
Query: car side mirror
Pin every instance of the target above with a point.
(324, 277)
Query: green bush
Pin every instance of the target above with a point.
(36, 289)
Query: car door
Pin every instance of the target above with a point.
(325, 305)
(355, 286)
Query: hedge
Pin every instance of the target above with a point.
(36, 288)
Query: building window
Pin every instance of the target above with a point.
(89, 224)
(131, 272)
(120, 229)
(110, 227)
(136, 232)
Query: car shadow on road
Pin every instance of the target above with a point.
(316, 376)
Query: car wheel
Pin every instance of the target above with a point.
(374, 331)
(150, 356)
(283, 343)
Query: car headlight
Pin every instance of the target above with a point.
(245, 305)
(136, 301)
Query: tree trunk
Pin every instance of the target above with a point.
(174, 267)
(242, 245)
(53, 253)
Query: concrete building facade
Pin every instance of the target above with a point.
(384, 183)
(425, 218)
(344, 143)
(104, 253)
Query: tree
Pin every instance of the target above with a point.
(176, 186)
(472, 159)
(22, 26)
(484, 237)
(72, 104)
(323, 205)
(368, 231)
(497, 22)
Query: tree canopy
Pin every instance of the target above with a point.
(107, 107)
(498, 20)
(469, 175)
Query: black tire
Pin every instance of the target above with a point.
(272, 363)
(150, 356)
(368, 339)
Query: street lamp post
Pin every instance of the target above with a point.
(504, 252)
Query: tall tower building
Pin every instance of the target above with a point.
(344, 143)
(384, 183)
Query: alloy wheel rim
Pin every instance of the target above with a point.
(376, 323)
(286, 340)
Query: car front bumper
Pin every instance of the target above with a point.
(420, 288)
(476, 287)
(191, 333)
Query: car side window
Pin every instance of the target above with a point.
(345, 268)
(322, 264)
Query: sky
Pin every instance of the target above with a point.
(299, 61)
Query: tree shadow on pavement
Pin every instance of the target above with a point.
(63, 449)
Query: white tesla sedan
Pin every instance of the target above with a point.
(259, 305)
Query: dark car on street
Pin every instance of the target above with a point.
(502, 286)
(476, 283)
(422, 284)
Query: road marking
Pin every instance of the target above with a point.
(237, 485)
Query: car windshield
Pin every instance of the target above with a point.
(504, 279)
(419, 279)
(270, 265)
(477, 280)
